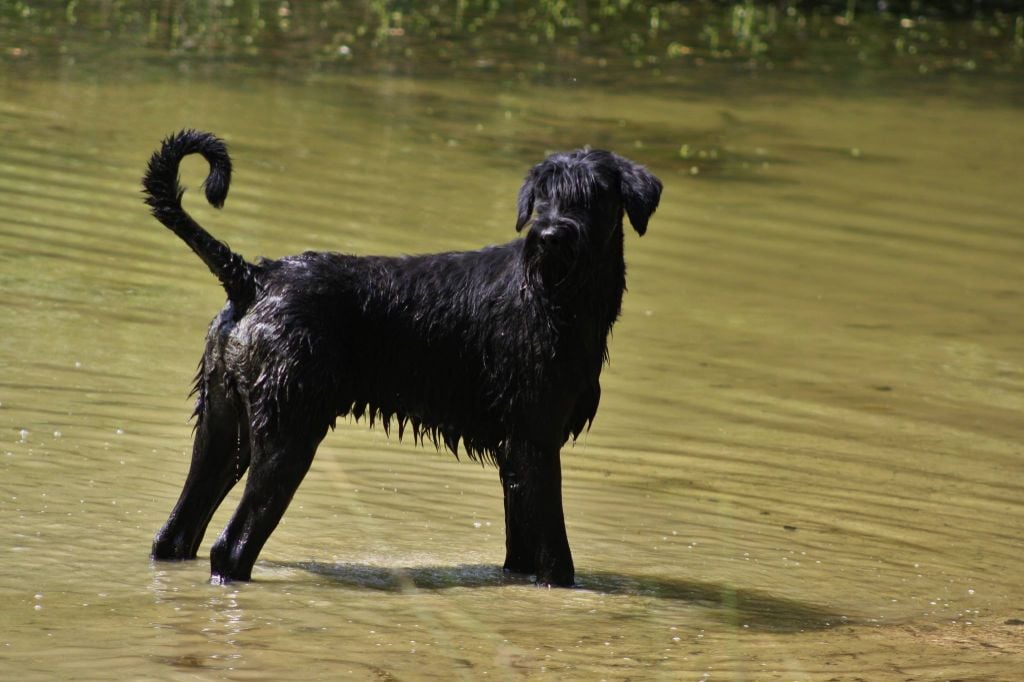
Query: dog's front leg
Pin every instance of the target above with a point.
(535, 538)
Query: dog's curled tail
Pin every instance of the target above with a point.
(163, 191)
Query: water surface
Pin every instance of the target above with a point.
(807, 463)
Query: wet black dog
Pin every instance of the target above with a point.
(500, 348)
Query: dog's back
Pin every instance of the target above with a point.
(439, 343)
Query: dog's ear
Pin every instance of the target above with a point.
(641, 193)
(525, 201)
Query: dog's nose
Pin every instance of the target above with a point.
(549, 234)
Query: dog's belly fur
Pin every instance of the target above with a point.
(366, 334)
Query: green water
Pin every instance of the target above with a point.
(808, 461)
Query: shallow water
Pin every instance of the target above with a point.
(807, 463)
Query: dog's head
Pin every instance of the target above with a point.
(574, 203)
(586, 189)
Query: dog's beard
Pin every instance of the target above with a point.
(558, 257)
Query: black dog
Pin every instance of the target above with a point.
(500, 348)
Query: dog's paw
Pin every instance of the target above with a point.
(549, 585)
(218, 579)
(555, 578)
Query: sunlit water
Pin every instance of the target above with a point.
(807, 463)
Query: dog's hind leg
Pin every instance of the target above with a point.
(220, 455)
(535, 538)
(279, 463)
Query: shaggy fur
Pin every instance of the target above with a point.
(498, 350)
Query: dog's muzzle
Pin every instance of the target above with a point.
(558, 234)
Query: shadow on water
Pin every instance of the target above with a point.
(739, 607)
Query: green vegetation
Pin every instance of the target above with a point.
(528, 40)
